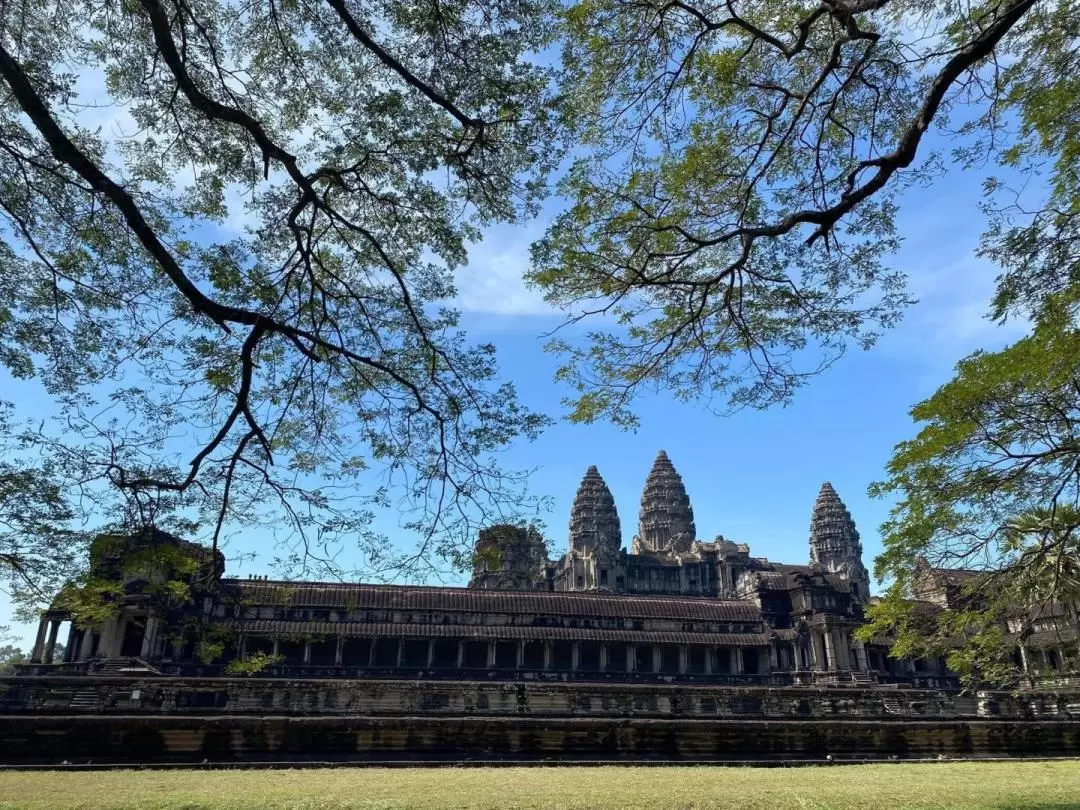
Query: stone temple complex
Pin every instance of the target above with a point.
(574, 656)
(672, 605)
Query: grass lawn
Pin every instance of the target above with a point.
(1036, 785)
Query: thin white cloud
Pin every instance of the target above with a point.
(493, 282)
(949, 321)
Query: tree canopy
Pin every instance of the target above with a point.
(733, 213)
(734, 202)
(229, 232)
(990, 484)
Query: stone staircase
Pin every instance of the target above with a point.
(85, 699)
(124, 666)
(892, 705)
(863, 679)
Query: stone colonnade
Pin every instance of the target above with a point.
(398, 652)
(832, 649)
(83, 644)
(48, 627)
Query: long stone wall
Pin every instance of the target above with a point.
(130, 695)
(147, 719)
(141, 738)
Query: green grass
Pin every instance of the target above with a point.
(1034, 785)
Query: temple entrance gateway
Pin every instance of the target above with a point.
(134, 634)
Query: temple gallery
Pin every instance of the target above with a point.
(672, 607)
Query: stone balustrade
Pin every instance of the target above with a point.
(406, 698)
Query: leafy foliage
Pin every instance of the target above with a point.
(252, 664)
(10, 655)
(229, 233)
(990, 484)
(41, 547)
(735, 203)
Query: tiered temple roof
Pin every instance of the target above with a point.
(596, 605)
(834, 540)
(594, 521)
(666, 519)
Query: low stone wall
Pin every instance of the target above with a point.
(157, 719)
(233, 696)
(148, 739)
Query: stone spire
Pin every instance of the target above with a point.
(594, 521)
(834, 541)
(666, 520)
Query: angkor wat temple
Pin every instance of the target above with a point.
(679, 648)
(673, 607)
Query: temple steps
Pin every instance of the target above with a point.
(892, 705)
(125, 666)
(85, 699)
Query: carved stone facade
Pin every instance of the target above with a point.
(666, 519)
(509, 558)
(135, 719)
(834, 541)
(673, 608)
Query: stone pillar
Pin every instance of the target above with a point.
(108, 633)
(708, 660)
(575, 656)
(830, 649)
(50, 645)
(860, 657)
(774, 658)
(656, 658)
(241, 646)
(460, 653)
(274, 651)
(38, 655)
(338, 650)
(491, 655)
(521, 654)
(547, 655)
(603, 657)
(430, 653)
(307, 651)
(682, 660)
(74, 639)
(149, 642)
(817, 649)
(86, 643)
(739, 668)
(631, 658)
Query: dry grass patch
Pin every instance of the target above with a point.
(1029, 785)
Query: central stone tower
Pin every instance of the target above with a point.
(666, 519)
(834, 541)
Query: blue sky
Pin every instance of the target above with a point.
(752, 477)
